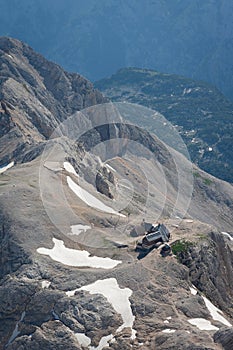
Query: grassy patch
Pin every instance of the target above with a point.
(205, 180)
(196, 174)
(201, 236)
(181, 246)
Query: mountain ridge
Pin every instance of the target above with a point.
(202, 115)
(66, 244)
(37, 95)
(190, 38)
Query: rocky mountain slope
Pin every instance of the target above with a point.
(192, 38)
(198, 110)
(36, 95)
(70, 275)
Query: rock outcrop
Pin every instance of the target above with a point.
(210, 266)
(44, 299)
(225, 338)
(35, 95)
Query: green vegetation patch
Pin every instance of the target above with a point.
(205, 180)
(181, 246)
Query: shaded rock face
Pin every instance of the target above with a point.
(46, 317)
(179, 342)
(126, 133)
(104, 181)
(225, 338)
(193, 307)
(15, 295)
(53, 335)
(35, 95)
(210, 268)
(12, 255)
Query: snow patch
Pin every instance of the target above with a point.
(69, 168)
(6, 167)
(45, 284)
(215, 312)
(83, 339)
(77, 229)
(193, 290)
(187, 91)
(74, 257)
(168, 330)
(203, 324)
(110, 167)
(104, 341)
(89, 199)
(228, 235)
(116, 296)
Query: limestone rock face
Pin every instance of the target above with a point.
(35, 95)
(225, 338)
(52, 336)
(12, 254)
(44, 301)
(210, 264)
(104, 181)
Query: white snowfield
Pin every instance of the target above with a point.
(118, 298)
(216, 313)
(6, 167)
(168, 330)
(203, 324)
(83, 339)
(227, 235)
(77, 229)
(109, 167)
(89, 199)
(45, 284)
(69, 168)
(74, 257)
(104, 341)
(193, 290)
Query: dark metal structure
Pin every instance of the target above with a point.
(156, 235)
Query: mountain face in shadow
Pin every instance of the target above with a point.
(191, 38)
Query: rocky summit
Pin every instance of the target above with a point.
(80, 186)
(36, 95)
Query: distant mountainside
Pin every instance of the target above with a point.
(201, 113)
(79, 187)
(95, 38)
(35, 96)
